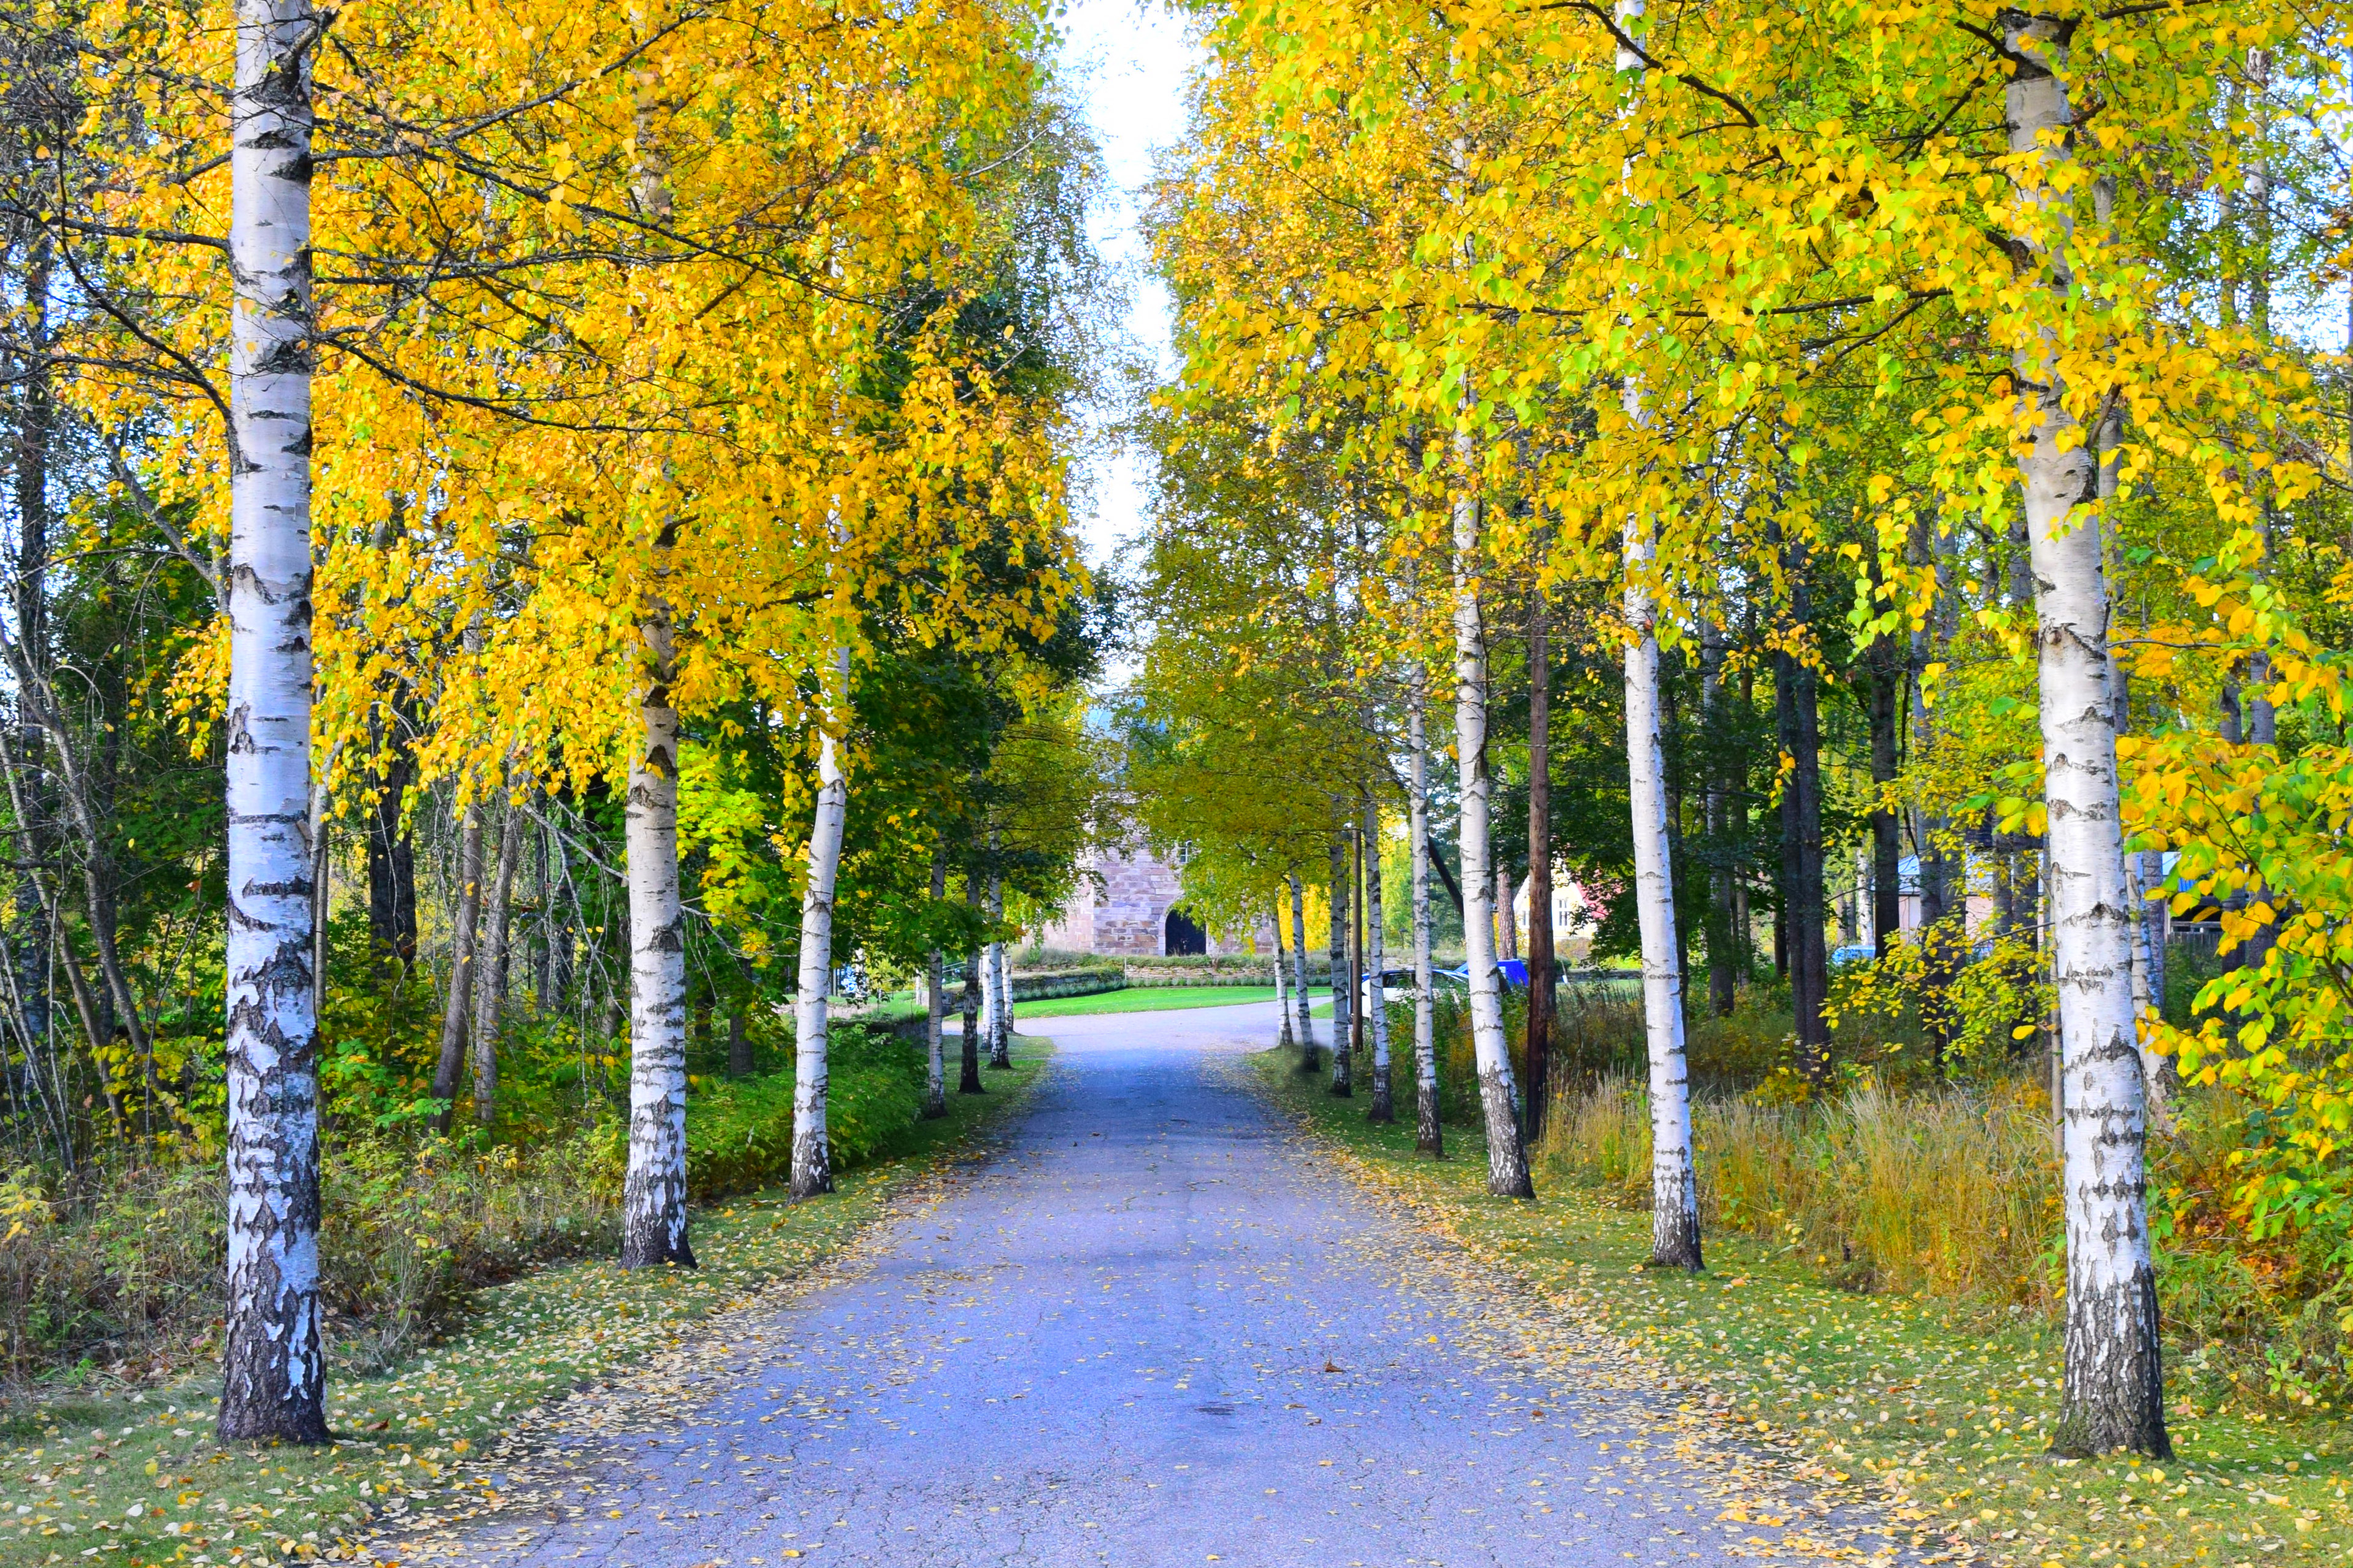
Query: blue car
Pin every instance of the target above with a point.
(1513, 971)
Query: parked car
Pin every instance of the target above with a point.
(1853, 952)
(1397, 985)
(1512, 971)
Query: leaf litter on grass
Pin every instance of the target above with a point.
(490, 1422)
(1872, 1398)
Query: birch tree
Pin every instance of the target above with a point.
(1376, 1013)
(935, 1006)
(2114, 1392)
(273, 1362)
(1343, 982)
(1307, 1060)
(1507, 1165)
(1000, 987)
(812, 1151)
(653, 1197)
(1429, 1137)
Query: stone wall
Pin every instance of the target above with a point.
(1128, 914)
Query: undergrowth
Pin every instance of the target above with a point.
(113, 1275)
(133, 1476)
(1948, 1411)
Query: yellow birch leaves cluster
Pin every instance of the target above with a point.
(673, 298)
(1749, 271)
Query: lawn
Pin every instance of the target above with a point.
(1882, 1388)
(1143, 999)
(139, 1479)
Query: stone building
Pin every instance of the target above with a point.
(1127, 905)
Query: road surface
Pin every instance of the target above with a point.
(1149, 1330)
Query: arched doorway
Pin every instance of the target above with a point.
(1180, 937)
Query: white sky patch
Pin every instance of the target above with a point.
(1129, 59)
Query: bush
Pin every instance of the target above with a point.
(739, 1132)
(120, 1268)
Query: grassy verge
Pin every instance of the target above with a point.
(1878, 1386)
(139, 1480)
(1143, 999)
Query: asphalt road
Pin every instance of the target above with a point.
(1151, 1331)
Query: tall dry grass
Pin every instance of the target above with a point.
(121, 1271)
(1950, 1193)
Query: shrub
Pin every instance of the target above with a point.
(740, 1131)
(120, 1268)
(123, 1268)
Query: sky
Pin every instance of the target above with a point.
(1128, 57)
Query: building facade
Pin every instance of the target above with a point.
(1128, 905)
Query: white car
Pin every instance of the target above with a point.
(1397, 985)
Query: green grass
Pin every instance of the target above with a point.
(1143, 999)
(139, 1479)
(1880, 1387)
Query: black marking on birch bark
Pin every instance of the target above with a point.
(1674, 1236)
(668, 938)
(1507, 1163)
(2114, 1394)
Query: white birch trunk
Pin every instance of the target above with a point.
(2114, 1396)
(1299, 972)
(999, 991)
(653, 1192)
(1507, 1165)
(1674, 1180)
(1376, 1014)
(1429, 1137)
(935, 1008)
(812, 1149)
(1343, 1056)
(2153, 1066)
(1675, 1185)
(273, 1363)
(1282, 994)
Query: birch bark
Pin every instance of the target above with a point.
(653, 1192)
(812, 1149)
(1507, 1165)
(1000, 994)
(1429, 1137)
(273, 1361)
(935, 1008)
(1343, 983)
(1376, 1013)
(1282, 995)
(1308, 1061)
(2114, 1396)
(653, 1189)
(1537, 1055)
(968, 1080)
(1674, 1180)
